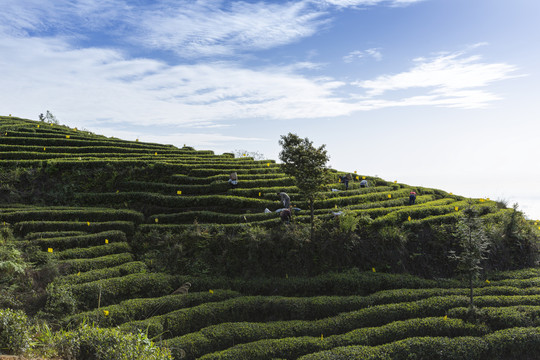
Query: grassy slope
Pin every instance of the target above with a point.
(111, 189)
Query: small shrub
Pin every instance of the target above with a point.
(14, 334)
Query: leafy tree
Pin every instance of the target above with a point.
(474, 246)
(306, 164)
(238, 153)
(49, 117)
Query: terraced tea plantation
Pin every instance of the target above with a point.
(123, 224)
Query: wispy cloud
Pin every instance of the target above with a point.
(454, 80)
(358, 54)
(207, 28)
(365, 3)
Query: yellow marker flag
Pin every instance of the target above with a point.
(50, 250)
(389, 196)
(179, 192)
(373, 269)
(156, 220)
(456, 208)
(409, 218)
(211, 291)
(68, 136)
(106, 241)
(106, 312)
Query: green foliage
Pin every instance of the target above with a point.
(14, 333)
(93, 343)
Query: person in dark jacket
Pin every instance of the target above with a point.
(412, 198)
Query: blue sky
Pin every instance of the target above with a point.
(438, 93)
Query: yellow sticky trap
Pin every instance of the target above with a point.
(243, 154)
(487, 199)
(211, 291)
(75, 129)
(451, 194)
(38, 125)
(179, 192)
(155, 153)
(339, 180)
(539, 228)
(286, 276)
(395, 181)
(50, 250)
(267, 164)
(409, 218)
(106, 312)
(88, 223)
(136, 140)
(117, 191)
(363, 178)
(335, 206)
(358, 178)
(445, 317)
(355, 171)
(481, 200)
(389, 196)
(79, 273)
(536, 223)
(488, 282)
(68, 136)
(259, 194)
(322, 338)
(44, 149)
(156, 220)
(373, 269)
(456, 208)
(106, 241)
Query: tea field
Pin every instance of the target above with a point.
(111, 228)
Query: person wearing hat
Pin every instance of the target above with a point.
(412, 198)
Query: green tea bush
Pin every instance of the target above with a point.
(75, 265)
(78, 241)
(116, 289)
(140, 309)
(24, 227)
(14, 331)
(294, 347)
(124, 269)
(93, 343)
(94, 251)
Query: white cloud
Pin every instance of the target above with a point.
(358, 54)
(207, 28)
(360, 3)
(446, 80)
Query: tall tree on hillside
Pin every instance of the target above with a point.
(474, 246)
(306, 164)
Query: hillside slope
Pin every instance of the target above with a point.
(113, 227)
